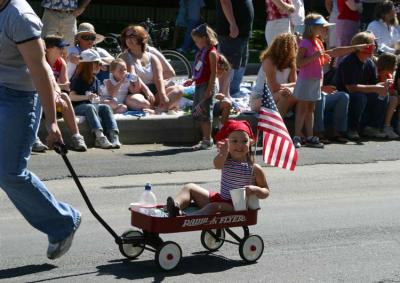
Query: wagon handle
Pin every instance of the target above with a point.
(62, 150)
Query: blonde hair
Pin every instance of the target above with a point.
(204, 30)
(282, 52)
(309, 30)
(115, 63)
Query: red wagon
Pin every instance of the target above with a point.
(168, 253)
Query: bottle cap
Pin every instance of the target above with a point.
(147, 186)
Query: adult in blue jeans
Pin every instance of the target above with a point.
(331, 114)
(24, 76)
(192, 19)
(85, 96)
(234, 20)
(357, 75)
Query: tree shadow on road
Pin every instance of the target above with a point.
(25, 270)
(199, 263)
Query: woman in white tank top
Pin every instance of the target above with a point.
(278, 70)
(148, 68)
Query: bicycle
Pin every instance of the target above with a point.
(159, 34)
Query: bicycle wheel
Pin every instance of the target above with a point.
(181, 65)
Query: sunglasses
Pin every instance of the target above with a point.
(88, 37)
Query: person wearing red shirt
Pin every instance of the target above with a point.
(348, 21)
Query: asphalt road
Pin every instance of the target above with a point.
(150, 158)
(322, 223)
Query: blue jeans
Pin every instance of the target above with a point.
(331, 112)
(19, 121)
(236, 51)
(98, 116)
(188, 40)
(365, 109)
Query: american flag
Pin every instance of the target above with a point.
(278, 149)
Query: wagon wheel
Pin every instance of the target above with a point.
(132, 251)
(168, 255)
(251, 248)
(209, 242)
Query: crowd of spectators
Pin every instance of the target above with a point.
(356, 95)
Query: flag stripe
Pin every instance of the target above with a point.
(278, 149)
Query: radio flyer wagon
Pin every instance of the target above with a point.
(168, 253)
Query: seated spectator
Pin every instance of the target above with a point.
(278, 70)
(356, 75)
(386, 66)
(148, 67)
(119, 86)
(384, 27)
(85, 38)
(223, 104)
(331, 114)
(84, 94)
(54, 49)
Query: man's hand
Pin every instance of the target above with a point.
(77, 12)
(54, 134)
(233, 31)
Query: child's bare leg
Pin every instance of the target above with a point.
(301, 109)
(213, 208)
(68, 114)
(206, 130)
(191, 192)
(309, 119)
(286, 103)
(122, 108)
(393, 102)
(174, 93)
(137, 101)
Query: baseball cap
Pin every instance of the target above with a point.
(90, 55)
(232, 126)
(55, 41)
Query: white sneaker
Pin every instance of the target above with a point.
(56, 250)
(38, 146)
(114, 139)
(390, 134)
(78, 143)
(374, 133)
(102, 142)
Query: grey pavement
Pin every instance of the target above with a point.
(322, 223)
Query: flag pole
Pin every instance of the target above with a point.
(255, 150)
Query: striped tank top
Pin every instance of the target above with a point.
(235, 175)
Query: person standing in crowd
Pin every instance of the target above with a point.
(59, 17)
(331, 7)
(204, 76)
(368, 12)
(24, 75)
(278, 20)
(192, 19)
(357, 75)
(348, 21)
(297, 18)
(384, 27)
(234, 20)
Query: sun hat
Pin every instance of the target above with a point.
(89, 28)
(320, 21)
(232, 126)
(55, 41)
(90, 55)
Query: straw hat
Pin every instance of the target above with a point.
(89, 28)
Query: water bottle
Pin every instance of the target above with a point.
(148, 200)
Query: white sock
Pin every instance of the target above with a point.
(76, 135)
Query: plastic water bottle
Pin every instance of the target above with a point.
(148, 200)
